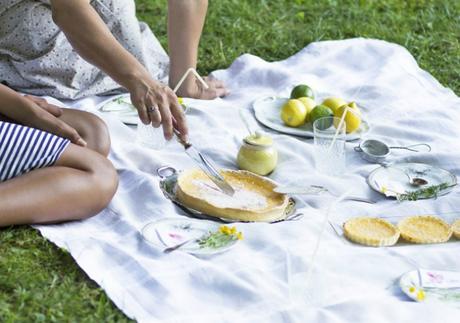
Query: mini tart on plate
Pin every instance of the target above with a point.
(456, 228)
(424, 229)
(254, 199)
(373, 232)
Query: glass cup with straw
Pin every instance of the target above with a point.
(329, 145)
(152, 137)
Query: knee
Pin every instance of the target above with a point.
(106, 179)
(96, 133)
(104, 184)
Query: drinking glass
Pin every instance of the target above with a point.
(329, 145)
(150, 137)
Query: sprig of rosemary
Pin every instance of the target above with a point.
(423, 193)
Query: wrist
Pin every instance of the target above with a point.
(133, 79)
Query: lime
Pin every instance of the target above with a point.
(321, 111)
(293, 113)
(309, 103)
(333, 103)
(352, 118)
(302, 90)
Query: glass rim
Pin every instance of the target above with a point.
(329, 129)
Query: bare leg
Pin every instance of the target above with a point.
(79, 185)
(92, 129)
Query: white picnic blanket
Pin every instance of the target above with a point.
(263, 279)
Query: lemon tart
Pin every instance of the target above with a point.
(373, 232)
(424, 229)
(254, 199)
(456, 228)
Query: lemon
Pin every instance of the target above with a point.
(309, 103)
(293, 113)
(302, 90)
(352, 118)
(334, 103)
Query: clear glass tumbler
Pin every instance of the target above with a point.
(150, 137)
(329, 146)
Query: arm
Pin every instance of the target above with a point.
(93, 41)
(35, 113)
(185, 24)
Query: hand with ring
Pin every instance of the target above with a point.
(158, 105)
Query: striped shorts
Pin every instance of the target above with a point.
(23, 149)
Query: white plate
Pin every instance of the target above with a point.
(166, 233)
(337, 226)
(411, 284)
(267, 112)
(122, 108)
(393, 177)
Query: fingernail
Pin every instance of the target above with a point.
(81, 142)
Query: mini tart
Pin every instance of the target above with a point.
(373, 232)
(190, 195)
(424, 229)
(456, 228)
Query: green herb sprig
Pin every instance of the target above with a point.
(424, 193)
(220, 238)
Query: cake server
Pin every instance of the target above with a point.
(316, 190)
(206, 165)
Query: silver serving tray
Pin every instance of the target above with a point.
(168, 181)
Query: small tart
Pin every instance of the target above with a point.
(456, 228)
(424, 229)
(373, 232)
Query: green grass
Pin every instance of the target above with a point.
(39, 282)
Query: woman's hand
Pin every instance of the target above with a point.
(44, 116)
(158, 105)
(196, 90)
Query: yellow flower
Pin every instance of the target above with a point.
(420, 295)
(224, 229)
(239, 236)
(412, 289)
(180, 100)
(233, 230)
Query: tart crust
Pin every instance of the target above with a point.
(191, 192)
(424, 229)
(456, 228)
(369, 231)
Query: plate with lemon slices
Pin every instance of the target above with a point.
(269, 112)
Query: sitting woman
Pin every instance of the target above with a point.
(70, 49)
(53, 164)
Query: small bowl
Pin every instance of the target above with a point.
(374, 151)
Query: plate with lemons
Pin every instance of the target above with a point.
(295, 115)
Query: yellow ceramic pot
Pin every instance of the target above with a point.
(257, 154)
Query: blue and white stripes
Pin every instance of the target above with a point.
(23, 149)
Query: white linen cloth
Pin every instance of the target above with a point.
(263, 279)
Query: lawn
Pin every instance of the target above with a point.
(40, 282)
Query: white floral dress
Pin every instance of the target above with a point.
(36, 58)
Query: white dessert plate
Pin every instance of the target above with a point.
(394, 178)
(267, 112)
(170, 232)
(432, 286)
(337, 226)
